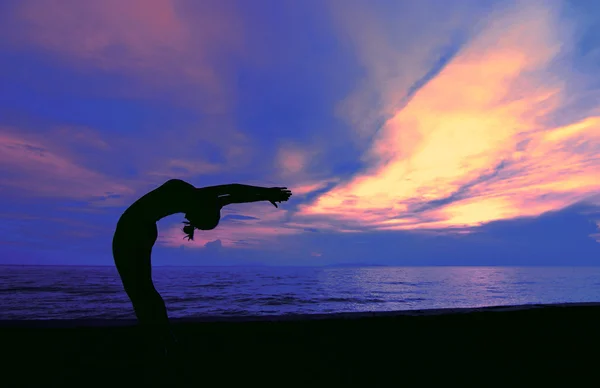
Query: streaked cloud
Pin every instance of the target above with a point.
(309, 187)
(34, 169)
(392, 122)
(164, 52)
(471, 145)
(398, 44)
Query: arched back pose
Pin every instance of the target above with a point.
(136, 233)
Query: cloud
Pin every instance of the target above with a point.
(213, 246)
(471, 145)
(172, 51)
(555, 238)
(249, 226)
(79, 163)
(164, 43)
(399, 44)
(308, 188)
(252, 225)
(237, 217)
(177, 168)
(596, 235)
(81, 137)
(292, 160)
(36, 169)
(238, 235)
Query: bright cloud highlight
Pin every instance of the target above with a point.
(471, 145)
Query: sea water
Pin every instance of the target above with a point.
(74, 292)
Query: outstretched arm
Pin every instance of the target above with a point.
(234, 189)
(238, 193)
(232, 193)
(271, 194)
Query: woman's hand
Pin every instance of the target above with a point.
(278, 194)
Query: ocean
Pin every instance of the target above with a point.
(75, 292)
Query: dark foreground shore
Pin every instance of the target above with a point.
(537, 344)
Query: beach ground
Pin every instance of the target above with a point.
(535, 344)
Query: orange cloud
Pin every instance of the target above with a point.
(470, 146)
(396, 44)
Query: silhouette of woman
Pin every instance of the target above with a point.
(136, 233)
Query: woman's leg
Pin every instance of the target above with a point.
(132, 252)
(132, 257)
(136, 274)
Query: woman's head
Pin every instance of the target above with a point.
(203, 217)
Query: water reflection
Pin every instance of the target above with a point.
(95, 292)
(405, 288)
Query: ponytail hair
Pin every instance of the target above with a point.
(188, 229)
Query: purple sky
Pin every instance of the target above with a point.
(411, 132)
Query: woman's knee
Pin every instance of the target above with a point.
(149, 307)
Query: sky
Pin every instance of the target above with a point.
(410, 132)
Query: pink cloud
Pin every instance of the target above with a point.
(176, 46)
(477, 126)
(292, 160)
(81, 136)
(304, 164)
(93, 164)
(36, 169)
(309, 186)
(89, 30)
(239, 234)
(261, 232)
(162, 42)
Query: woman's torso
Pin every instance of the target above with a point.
(137, 224)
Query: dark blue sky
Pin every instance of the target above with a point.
(411, 133)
